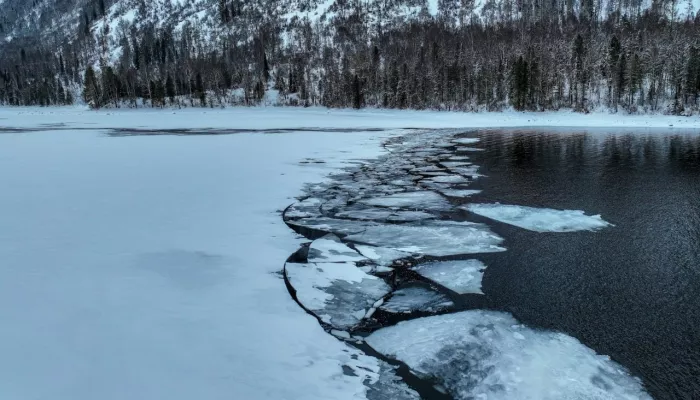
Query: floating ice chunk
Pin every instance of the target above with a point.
(422, 199)
(305, 208)
(332, 225)
(460, 276)
(407, 216)
(459, 158)
(382, 214)
(488, 355)
(381, 255)
(467, 148)
(436, 238)
(455, 164)
(402, 182)
(466, 140)
(340, 334)
(468, 171)
(338, 293)
(453, 179)
(330, 249)
(429, 168)
(388, 386)
(367, 214)
(459, 193)
(416, 298)
(540, 219)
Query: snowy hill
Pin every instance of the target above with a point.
(636, 55)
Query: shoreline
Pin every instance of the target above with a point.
(317, 118)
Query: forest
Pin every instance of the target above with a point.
(532, 55)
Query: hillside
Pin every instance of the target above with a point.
(615, 55)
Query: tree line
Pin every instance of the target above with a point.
(527, 55)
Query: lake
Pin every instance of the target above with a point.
(630, 291)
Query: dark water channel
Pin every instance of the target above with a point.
(631, 291)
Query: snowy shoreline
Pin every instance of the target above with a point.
(66, 118)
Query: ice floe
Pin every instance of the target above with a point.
(459, 192)
(340, 294)
(489, 355)
(388, 386)
(422, 199)
(467, 148)
(308, 207)
(460, 276)
(466, 140)
(455, 164)
(383, 214)
(381, 255)
(330, 249)
(416, 298)
(436, 238)
(540, 219)
(453, 179)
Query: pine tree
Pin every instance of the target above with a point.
(91, 90)
(170, 89)
(357, 95)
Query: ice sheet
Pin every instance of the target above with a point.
(488, 355)
(460, 276)
(540, 219)
(340, 294)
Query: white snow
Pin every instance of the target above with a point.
(460, 276)
(146, 267)
(339, 293)
(488, 355)
(540, 219)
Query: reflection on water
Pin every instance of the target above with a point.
(631, 291)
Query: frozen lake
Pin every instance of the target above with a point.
(141, 257)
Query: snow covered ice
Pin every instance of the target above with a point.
(460, 276)
(540, 219)
(416, 298)
(489, 355)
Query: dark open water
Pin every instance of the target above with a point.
(631, 291)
